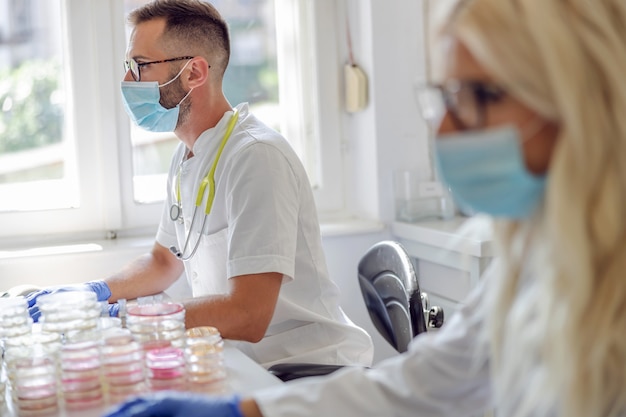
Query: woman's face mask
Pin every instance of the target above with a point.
(141, 101)
(492, 150)
(486, 173)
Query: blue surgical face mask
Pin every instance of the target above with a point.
(486, 173)
(141, 101)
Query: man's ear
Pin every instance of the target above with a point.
(198, 73)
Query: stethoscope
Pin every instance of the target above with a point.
(176, 210)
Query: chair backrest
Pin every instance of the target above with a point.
(391, 292)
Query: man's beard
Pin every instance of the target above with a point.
(171, 95)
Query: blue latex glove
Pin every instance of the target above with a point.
(178, 404)
(114, 310)
(102, 290)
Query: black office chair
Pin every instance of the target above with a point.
(397, 308)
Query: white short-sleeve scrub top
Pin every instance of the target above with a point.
(263, 219)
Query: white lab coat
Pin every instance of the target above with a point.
(263, 219)
(444, 373)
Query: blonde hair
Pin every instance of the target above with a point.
(557, 314)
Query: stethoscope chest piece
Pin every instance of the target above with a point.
(175, 212)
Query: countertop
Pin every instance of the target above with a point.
(466, 235)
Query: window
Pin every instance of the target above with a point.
(70, 161)
(33, 108)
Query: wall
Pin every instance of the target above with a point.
(388, 43)
(389, 134)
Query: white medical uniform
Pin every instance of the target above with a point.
(444, 373)
(263, 219)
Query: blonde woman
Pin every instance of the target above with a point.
(532, 132)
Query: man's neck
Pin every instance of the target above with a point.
(202, 118)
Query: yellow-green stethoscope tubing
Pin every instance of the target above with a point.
(209, 180)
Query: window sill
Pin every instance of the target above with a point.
(353, 226)
(470, 236)
(63, 247)
(73, 260)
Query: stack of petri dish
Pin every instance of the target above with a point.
(2, 393)
(48, 342)
(204, 359)
(26, 347)
(122, 365)
(106, 323)
(14, 318)
(34, 389)
(165, 369)
(81, 374)
(38, 342)
(69, 311)
(159, 323)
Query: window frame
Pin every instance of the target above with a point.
(78, 34)
(100, 129)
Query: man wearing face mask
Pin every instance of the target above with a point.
(239, 217)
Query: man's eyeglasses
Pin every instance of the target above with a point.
(465, 100)
(135, 67)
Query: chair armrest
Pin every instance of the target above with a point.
(289, 371)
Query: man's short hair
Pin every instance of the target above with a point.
(192, 27)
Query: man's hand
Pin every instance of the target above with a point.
(99, 287)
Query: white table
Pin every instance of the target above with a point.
(244, 377)
(244, 374)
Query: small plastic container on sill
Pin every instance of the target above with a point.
(418, 198)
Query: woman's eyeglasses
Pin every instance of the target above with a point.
(465, 101)
(135, 67)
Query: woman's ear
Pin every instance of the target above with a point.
(198, 72)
